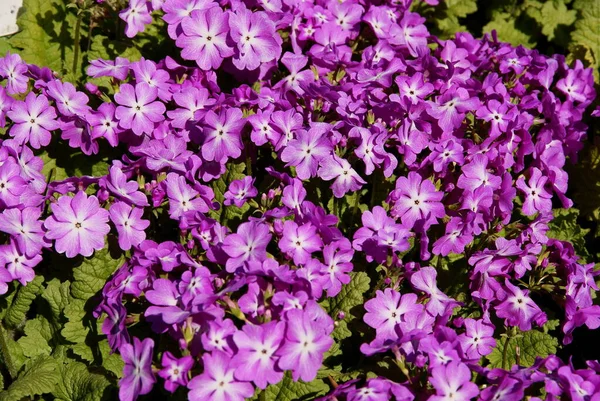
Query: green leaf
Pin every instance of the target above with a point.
(586, 31)
(235, 171)
(21, 303)
(349, 297)
(40, 377)
(35, 341)
(75, 332)
(551, 15)
(92, 274)
(526, 347)
(507, 30)
(564, 227)
(58, 295)
(44, 35)
(289, 390)
(78, 384)
(112, 362)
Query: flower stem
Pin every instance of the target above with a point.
(76, 41)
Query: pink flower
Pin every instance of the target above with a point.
(78, 225)
(33, 120)
(346, 178)
(138, 109)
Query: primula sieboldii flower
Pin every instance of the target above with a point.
(298, 242)
(182, 197)
(240, 191)
(222, 135)
(78, 225)
(127, 191)
(416, 200)
(67, 99)
(338, 169)
(19, 266)
(33, 120)
(129, 223)
(387, 309)
(304, 346)
(518, 309)
(117, 68)
(26, 228)
(136, 16)
(537, 199)
(249, 243)
(477, 340)
(204, 38)
(138, 378)
(255, 37)
(14, 69)
(307, 150)
(256, 360)
(175, 370)
(217, 382)
(138, 109)
(452, 382)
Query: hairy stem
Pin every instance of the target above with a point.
(505, 352)
(76, 41)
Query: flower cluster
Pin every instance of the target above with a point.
(364, 144)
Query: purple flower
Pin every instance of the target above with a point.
(249, 243)
(338, 262)
(175, 371)
(67, 99)
(217, 383)
(477, 340)
(450, 108)
(346, 178)
(537, 199)
(425, 280)
(182, 197)
(138, 109)
(307, 150)
(255, 36)
(26, 228)
(138, 378)
(204, 38)
(103, 124)
(475, 174)
(304, 346)
(136, 16)
(118, 68)
(416, 200)
(299, 242)
(33, 120)
(239, 191)
(387, 309)
(127, 191)
(222, 135)
(255, 360)
(12, 185)
(78, 224)
(129, 223)
(17, 263)
(518, 309)
(14, 70)
(452, 382)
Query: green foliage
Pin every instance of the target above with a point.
(91, 275)
(21, 303)
(289, 390)
(235, 171)
(39, 377)
(77, 383)
(351, 296)
(45, 34)
(523, 349)
(565, 227)
(586, 33)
